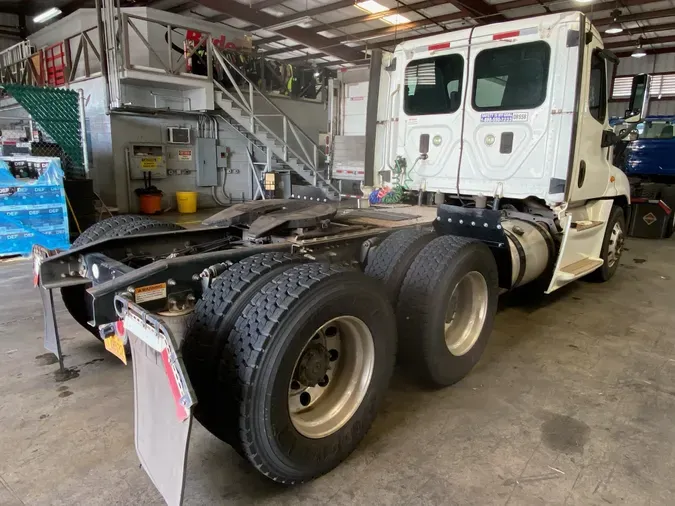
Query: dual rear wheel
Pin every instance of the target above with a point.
(290, 360)
(445, 301)
(75, 297)
(291, 369)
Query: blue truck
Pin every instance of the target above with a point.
(647, 156)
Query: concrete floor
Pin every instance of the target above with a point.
(573, 403)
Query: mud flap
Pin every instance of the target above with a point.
(163, 400)
(52, 341)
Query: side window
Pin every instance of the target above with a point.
(511, 77)
(433, 85)
(597, 95)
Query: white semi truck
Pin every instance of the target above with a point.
(276, 325)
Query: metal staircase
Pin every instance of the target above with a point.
(288, 146)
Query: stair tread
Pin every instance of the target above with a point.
(580, 226)
(583, 266)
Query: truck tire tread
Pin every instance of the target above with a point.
(99, 230)
(394, 255)
(248, 343)
(143, 227)
(418, 307)
(117, 226)
(214, 316)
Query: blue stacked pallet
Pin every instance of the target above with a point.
(32, 211)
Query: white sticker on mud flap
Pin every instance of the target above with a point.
(503, 117)
(150, 292)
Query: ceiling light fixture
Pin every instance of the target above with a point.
(371, 6)
(639, 51)
(584, 1)
(396, 19)
(47, 15)
(615, 27)
(288, 24)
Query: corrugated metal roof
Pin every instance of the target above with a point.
(358, 34)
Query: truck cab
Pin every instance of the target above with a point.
(516, 112)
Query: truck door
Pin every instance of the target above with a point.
(589, 172)
(430, 119)
(590, 168)
(518, 77)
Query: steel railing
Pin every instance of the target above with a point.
(169, 64)
(244, 99)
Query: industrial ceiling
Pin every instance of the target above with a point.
(339, 32)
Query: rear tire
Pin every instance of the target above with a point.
(214, 318)
(117, 226)
(102, 228)
(394, 256)
(446, 309)
(612, 247)
(272, 351)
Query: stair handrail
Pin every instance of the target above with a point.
(284, 145)
(224, 63)
(247, 107)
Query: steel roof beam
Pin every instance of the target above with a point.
(304, 36)
(260, 5)
(359, 19)
(335, 41)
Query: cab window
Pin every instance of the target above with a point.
(597, 94)
(433, 85)
(511, 77)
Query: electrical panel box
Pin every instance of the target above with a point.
(147, 159)
(205, 152)
(222, 154)
(179, 135)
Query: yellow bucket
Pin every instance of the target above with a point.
(187, 202)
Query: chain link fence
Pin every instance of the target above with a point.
(44, 123)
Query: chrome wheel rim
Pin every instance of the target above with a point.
(331, 377)
(466, 314)
(615, 245)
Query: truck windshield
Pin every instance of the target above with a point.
(655, 130)
(511, 77)
(433, 85)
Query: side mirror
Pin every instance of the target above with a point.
(639, 99)
(609, 139)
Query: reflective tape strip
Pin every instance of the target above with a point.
(515, 33)
(440, 45)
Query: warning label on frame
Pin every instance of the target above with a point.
(503, 117)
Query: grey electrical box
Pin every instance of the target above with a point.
(207, 172)
(147, 159)
(223, 154)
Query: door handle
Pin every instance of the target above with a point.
(582, 174)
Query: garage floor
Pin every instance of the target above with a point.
(573, 403)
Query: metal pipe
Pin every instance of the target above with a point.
(104, 55)
(371, 115)
(216, 128)
(118, 36)
(83, 129)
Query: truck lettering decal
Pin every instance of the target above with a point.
(503, 117)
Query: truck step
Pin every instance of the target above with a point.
(580, 268)
(580, 226)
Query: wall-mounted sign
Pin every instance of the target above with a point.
(151, 162)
